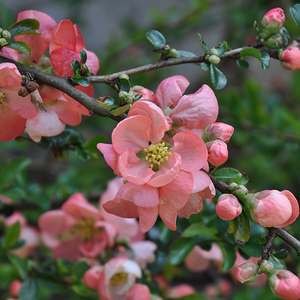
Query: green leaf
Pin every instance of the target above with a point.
(179, 250)
(232, 175)
(295, 12)
(25, 26)
(29, 289)
(199, 229)
(222, 48)
(12, 235)
(252, 249)
(19, 46)
(120, 110)
(91, 145)
(193, 297)
(82, 289)
(51, 283)
(240, 228)
(83, 56)
(20, 264)
(281, 254)
(156, 39)
(229, 256)
(83, 81)
(12, 169)
(202, 43)
(218, 79)
(204, 66)
(263, 58)
(244, 65)
(159, 263)
(78, 270)
(124, 84)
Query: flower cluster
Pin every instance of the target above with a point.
(48, 111)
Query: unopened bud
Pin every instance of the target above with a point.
(228, 207)
(272, 21)
(2, 42)
(1, 30)
(213, 51)
(217, 152)
(6, 34)
(123, 95)
(246, 273)
(290, 58)
(218, 130)
(241, 191)
(213, 59)
(274, 41)
(173, 53)
(124, 76)
(266, 266)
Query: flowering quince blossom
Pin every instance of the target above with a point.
(76, 230)
(228, 207)
(272, 208)
(290, 57)
(181, 290)
(246, 273)
(285, 284)
(117, 278)
(162, 178)
(272, 21)
(139, 291)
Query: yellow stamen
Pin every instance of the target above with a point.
(119, 278)
(86, 229)
(157, 154)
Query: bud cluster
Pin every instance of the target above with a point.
(4, 36)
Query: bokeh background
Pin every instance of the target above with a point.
(263, 106)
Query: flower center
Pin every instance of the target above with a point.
(157, 154)
(2, 99)
(86, 229)
(119, 278)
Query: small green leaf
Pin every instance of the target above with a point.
(91, 145)
(222, 48)
(241, 229)
(12, 235)
(179, 250)
(124, 84)
(12, 169)
(25, 26)
(120, 110)
(19, 46)
(218, 79)
(204, 66)
(184, 54)
(231, 174)
(83, 81)
(156, 39)
(229, 253)
(199, 229)
(252, 249)
(244, 65)
(281, 254)
(29, 289)
(285, 35)
(202, 43)
(19, 263)
(295, 12)
(265, 60)
(83, 56)
(82, 289)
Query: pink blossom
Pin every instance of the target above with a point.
(92, 277)
(15, 287)
(285, 284)
(217, 152)
(272, 208)
(76, 230)
(160, 175)
(143, 252)
(290, 58)
(37, 43)
(272, 21)
(181, 290)
(139, 291)
(228, 207)
(246, 273)
(218, 130)
(117, 278)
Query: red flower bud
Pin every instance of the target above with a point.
(290, 58)
(228, 207)
(272, 21)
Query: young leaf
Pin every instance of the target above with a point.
(120, 110)
(222, 48)
(179, 250)
(202, 43)
(265, 60)
(19, 46)
(156, 39)
(184, 54)
(25, 26)
(124, 84)
(281, 254)
(29, 289)
(295, 12)
(241, 232)
(11, 235)
(204, 66)
(83, 56)
(83, 81)
(218, 79)
(244, 65)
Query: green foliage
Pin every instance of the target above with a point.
(295, 12)
(218, 79)
(26, 26)
(19, 46)
(156, 39)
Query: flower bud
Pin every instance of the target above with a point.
(214, 59)
(272, 21)
(241, 191)
(14, 288)
(246, 273)
(285, 284)
(6, 34)
(290, 58)
(173, 53)
(274, 40)
(217, 152)
(218, 130)
(272, 208)
(2, 42)
(213, 51)
(266, 266)
(228, 207)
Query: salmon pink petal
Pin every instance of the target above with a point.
(171, 90)
(10, 76)
(92, 61)
(79, 39)
(146, 94)
(49, 93)
(110, 155)
(155, 114)
(37, 43)
(166, 172)
(93, 247)
(197, 110)
(61, 59)
(176, 193)
(68, 248)
(138, 291)
(89, 90)
(132, 134)
(193, 206)
(133, 170)
(147, 217)
(10, 53)
(110, 231)
(192, 149)
(201, 181)
(168, 215)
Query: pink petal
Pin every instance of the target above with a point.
(68, 248)
(201, 181)
(75, 104)
(10, 53)
(193, 206)
(79, 39)
(168, 214)
(159, 122)
(10, 76)
(92, 61)
(146, 94)
(132, 134)
(110, 155)
(49, 93)
(197, 110)
(192, 150)
(93, 247)
(110, 231)
(147, 217)
(171, 90)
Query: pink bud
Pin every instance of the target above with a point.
(138, 291)
(14, 288)
(217, 152)
(272, 208)
(92, 276)
(246, 273)
(285, 284)
(218, 130)
(228, 207)
(290, 58)
(272, 21)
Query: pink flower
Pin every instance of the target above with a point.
(187, 112)
(76, 230)
(37, 43)
(290, 58)
(117, 278)
(160, 175)
(217, 152)
(92, 277)
(228, 207)
(246, 273)
(285, 284)
(65, 45)
(143, 252)
(272, 21)
(218, 130)
(15, 287)
(181, 290)
(139, 291)
(272, 208)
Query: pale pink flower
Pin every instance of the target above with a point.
(272, 208)
(139, 291)
(76, 230)
(181, 290)
(217, 152)
(290, 58)
(117, 278)
(228, 207)
(272, 21)
(143, 252)
(246, 273)
(285, 284)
